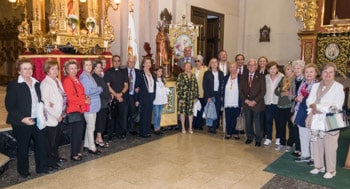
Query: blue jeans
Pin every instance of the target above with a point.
(157, 113)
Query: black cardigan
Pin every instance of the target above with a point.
(208, 84)
(18, 101)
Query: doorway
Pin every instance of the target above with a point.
(211, 34)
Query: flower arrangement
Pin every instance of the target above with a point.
(72, 18)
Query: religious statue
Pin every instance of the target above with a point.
(163, 45)
(147, 48)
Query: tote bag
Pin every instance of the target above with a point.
(336, 121)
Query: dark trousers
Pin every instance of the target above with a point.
(101, 120)
(131, 111)
(270, 116)
(198, 121)
(118, 123)
(295, 136)
(253, 122)
(231, 115)
(23, 135)
(283, 115)
(76, 137)
(146, 115)
(52, 144)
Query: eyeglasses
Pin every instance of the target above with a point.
(197, 61)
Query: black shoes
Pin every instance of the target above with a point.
(76, 158)
(236, 137)
(25, 175)
(85, 149)
(133, 133)
(48, 171)
(145, 136)
(158, 132)
(228, 137)
(257, 144)
(62, 160)
(96, 152)
(248, 141)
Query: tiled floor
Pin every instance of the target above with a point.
(196, 160)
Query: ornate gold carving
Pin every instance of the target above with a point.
(342, 40)
(306, 11)
(308, 52)
(81, 40)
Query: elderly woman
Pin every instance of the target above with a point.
(232, 102)
(76, 105)
(55, 100)
(93, 91)
(199, 71)
(187, 94)
(22, 97)
(324, 97)
(105, 97)
(301, 113)
(213, 80)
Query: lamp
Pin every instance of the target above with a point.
(16, 3)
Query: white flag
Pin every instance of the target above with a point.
(132, 45)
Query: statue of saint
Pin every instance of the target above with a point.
(163, 45)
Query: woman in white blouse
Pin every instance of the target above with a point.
(323, 98)
(232, 102)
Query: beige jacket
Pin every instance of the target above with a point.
(200, 79)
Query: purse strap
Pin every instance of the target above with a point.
(76, 92)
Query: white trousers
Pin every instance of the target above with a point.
(89, 141)
(305, 142)
(326, 148)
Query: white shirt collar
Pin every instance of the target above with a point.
(21, 80)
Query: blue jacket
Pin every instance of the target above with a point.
(91, 90)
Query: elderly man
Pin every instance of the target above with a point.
(252, 90)
(187, 57)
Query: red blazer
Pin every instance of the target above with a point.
(75, 95)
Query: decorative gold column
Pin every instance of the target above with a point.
(306, 11)
(308, 46)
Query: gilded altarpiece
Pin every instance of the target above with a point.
(334, 48)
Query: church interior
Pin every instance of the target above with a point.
(316, 31)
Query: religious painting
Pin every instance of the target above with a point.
(265, 34)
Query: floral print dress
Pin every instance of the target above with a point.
(187, 91)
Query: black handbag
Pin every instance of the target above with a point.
(73, 117)
(113, 109)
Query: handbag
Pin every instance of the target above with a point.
(40, 118)
(73, 117)
(240, 122)
(336, 121)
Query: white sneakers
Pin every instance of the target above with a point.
(329, 175)
(267, 142)
(277, 141)
(316, 171)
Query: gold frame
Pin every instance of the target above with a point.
(176, 31)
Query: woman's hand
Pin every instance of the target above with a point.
(299, 98)
(87, 100)
(59, 119)
(28, 121)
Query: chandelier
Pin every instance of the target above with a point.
(83, 30)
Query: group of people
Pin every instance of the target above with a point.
(112, 99)
(297, 99)
(96, 100)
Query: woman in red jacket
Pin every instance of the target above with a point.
(76, 103)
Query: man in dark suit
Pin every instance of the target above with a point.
(252, 90)
(241, 68)
(187, 57)
(134, 80)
